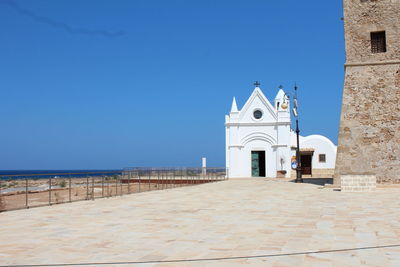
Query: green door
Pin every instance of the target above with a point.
(255, 166)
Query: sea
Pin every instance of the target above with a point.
(38, 174)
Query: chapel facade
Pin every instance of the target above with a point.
(261, 143)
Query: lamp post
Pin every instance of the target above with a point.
(299, 179)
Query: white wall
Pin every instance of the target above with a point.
(321, 145)
(253, 139)
(271, 134)
(244, 134)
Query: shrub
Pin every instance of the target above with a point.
(63, 184)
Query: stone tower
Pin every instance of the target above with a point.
(369, 134)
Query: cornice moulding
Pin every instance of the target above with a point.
(257, 124)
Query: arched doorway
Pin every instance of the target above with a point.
(258, 163)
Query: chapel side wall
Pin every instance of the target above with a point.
(285, 152)
(235, 154)
(369, 133)
(227, 149)
(237, 163)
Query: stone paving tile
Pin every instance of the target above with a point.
(233, 218)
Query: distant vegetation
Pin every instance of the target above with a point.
(113, 177)
(8, 184)
(63, 184)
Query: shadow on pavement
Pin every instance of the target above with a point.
(318, 181)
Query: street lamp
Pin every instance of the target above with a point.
(299, 178)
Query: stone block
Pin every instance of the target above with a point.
(358, 183)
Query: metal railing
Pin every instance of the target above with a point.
(34, 190)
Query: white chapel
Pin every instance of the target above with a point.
(261, 143)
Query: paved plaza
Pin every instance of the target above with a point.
(256, 222)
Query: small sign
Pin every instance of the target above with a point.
(294, 162)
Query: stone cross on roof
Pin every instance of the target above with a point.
(257, 84)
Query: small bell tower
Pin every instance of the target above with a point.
(282, 105)
(283, 149)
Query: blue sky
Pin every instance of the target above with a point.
(101, 84)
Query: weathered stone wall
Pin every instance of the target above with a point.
(363, 17)
(369, 134)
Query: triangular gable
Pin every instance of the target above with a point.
(257, 93)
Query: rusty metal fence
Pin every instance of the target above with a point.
(35, 190)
